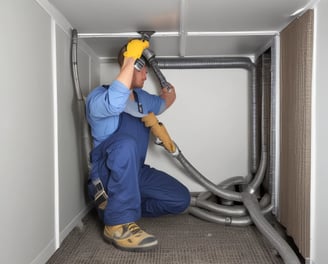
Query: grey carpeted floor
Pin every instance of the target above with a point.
(183, 239)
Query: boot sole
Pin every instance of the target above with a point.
(131, 249)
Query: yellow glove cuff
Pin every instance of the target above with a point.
(159, 131)
(135, 48)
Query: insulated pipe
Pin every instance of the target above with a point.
(236, 210)
(203, 196)
(75, 74)
(205, 63)
(86, 139)
(248, 199)
(231, 185)
(225, 63)
(237, 180)
(226, 220)
(254, 124)
(268, 231)
(219, 219)
(198, 177)
(221, 62)
(258, 179)
(259, 176)
(225, 208)
(150, 57)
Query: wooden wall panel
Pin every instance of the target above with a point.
(295, 156)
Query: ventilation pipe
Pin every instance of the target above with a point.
(257, 169)
(225, 63)
(86, 138)
(218, 213)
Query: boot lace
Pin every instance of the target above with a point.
(134, 228)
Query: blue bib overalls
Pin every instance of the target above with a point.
(133, 188)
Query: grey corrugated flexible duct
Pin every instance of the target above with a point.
(247, 197)
(234, 211)
(258, 179)
(237, 180)
(226, 207)
(205, 63)
(224, 63)
(86, 138)
(268, 231)
(75, 73)
(226, 220)
(198, 177)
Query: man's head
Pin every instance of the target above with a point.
(139, 76)
(120, 56)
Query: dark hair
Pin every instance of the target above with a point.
(120, 56)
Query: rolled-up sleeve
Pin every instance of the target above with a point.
(109, 103)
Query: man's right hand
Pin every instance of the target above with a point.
(159, 131)
(135, 48)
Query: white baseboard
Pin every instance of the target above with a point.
(46, 253)
(309, 261)
(50, 249)
(76, 221)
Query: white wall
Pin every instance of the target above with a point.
(27, 131)
(319, 253)
(38, 116)
(208, 121)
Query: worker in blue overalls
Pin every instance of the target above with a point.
(132, 188)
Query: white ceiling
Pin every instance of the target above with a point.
(183, 27)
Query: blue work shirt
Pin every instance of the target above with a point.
(104, 106)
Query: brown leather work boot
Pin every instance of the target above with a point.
(129, 237)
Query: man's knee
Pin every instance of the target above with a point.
(182, 202)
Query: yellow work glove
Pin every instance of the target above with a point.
(159, 131)
(135, 48)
